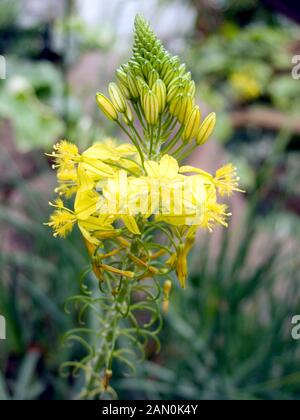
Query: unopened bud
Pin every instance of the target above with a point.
(186, 108)
(121, 75)
(106, 107)
(153, 76)
(175, 105)
(167, 288)
(151, 107)
(192, 88)
(192, 125)
(117, 97)
(132, 86)
(160, 90)
(128, 116)
(206, 128)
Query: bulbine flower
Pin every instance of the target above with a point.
(123, 194)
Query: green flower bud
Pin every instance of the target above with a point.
(146, 69)
(124, 89)
(175, 105)
(128, 117)
(192, 88)
(121, 76)
(192, 125)
(170, 75)
(106, 107)
(206, 128)
(186, 108)
(160, 90)
(132, 86)
(117, 97)
(151, 108)
(153, 76)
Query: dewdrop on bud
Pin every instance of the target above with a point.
(206, 129)
(106, 107)
(186, 108)
(160, 90)
(117, 97)
(192, 125)
(132, 86)
(151, 107)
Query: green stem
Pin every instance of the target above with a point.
(133, 141)
(174, 140)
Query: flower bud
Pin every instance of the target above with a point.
(192, 125)
(160, 90)
(128, 116)
(151, 107)
(170, 75)
(132, 86)
(186, 108)
(121, 76)
(153, 76)
(192, 88)
(106, 107)
(117, 97)
(173, 91)
(175, 105)
(206, 128)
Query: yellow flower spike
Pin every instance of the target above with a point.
(106, 107)
(160, 90)
(117, 98)
(226, 180)
(151, 107)
(206, 129)
(192, 125)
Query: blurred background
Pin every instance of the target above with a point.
(228, 335)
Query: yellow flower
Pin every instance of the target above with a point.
(62, 222)
(226, 180)
(66, 155)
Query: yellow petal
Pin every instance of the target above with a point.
(131, 224)
(168, 167)
(152, 169)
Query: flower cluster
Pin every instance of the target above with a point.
(123, 195)
(114, 192)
